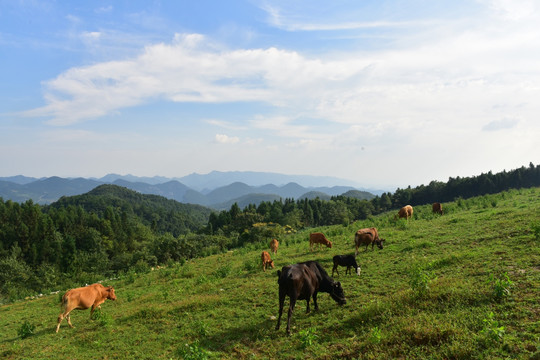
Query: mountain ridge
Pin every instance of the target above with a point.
(48, 190)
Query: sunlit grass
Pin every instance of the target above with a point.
(427, 294)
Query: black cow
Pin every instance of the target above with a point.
(345, 260)
(303, 281)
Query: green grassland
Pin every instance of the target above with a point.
(464, 285)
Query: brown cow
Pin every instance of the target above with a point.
(405, 212)
(318, 238)
(82, 298)
(302, 282)
(437, 208)
(266, 260)
(366, 237)
(274, 244)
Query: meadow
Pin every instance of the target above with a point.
(464, 285)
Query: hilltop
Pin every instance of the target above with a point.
(461, 285)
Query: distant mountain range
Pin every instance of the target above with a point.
(218, 190)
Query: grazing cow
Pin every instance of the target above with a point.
(82, 298)
(405, 212)
(303, 281)
(318, 238)
(437, 208)
(366, 237)
(345, 260)
(266, 260)
(274, 244)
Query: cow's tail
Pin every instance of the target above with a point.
(63, 302)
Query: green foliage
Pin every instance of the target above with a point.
(251, 264)
(419, 279)
(375, 335)
(535, 227)
(27, 329)
(192, 351)
(500, 286)
(102, 318)
(308, 337)
(223, 271)
(491, 329)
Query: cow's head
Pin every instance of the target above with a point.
(379, 243)
(337, 293)
(272, 264)
(329, 244)
(110, 293)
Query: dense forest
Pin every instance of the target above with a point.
(112, 230)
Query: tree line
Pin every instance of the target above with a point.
(343, 210)
(113, 230)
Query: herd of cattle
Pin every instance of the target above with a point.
(301, 281)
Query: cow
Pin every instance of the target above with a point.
(405, 212)
(345, 260)
(437, 208)
(318, 238)
(303, 281)
(274, 244)
(82, 298)
(266, 260)
(366, 237)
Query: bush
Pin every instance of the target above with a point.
(223, 271)
(308, 337)
(491, 330)
(192, 352)
(419, 279)
(26, 330)
(500, 286)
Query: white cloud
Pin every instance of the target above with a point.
(225, 139)
(502, 124)
(448, 79)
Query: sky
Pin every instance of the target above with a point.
(385, 93)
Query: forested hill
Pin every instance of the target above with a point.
(162, 215)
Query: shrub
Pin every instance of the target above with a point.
(500, 286)
(419, 279)
(375, 335)
(251, 264)
(308, 337)
(223, 271)
(491, 330)
(26, 330)
(192, 352)
(102, 318)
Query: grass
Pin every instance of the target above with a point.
(464, 285)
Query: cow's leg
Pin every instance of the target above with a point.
(289, 315)
(68, 317)
(315, 301)
(307, 305)
(335, 268)
(281, 301)
(60, 318)
(65, 314)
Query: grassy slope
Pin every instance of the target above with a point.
(225, 305)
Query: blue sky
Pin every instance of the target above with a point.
(384, 93)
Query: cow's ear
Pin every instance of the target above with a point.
(338, 284)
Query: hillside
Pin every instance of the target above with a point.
(463, 285)
(177, 218)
